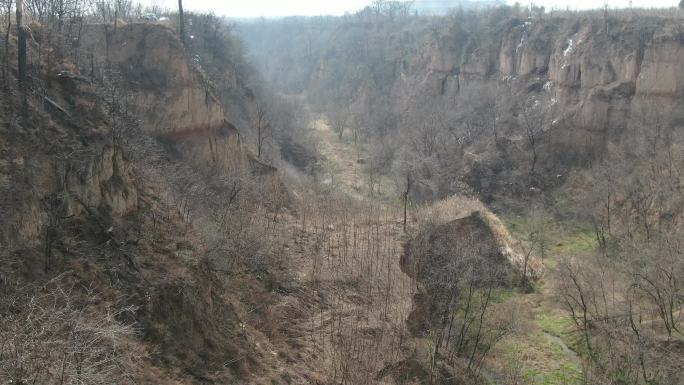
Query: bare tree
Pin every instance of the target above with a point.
(378, 7)
(535, 121)
(656, 277)
(581, 298)
(425, 137)
(338, 120)
(21, 34)
(532, 126)
(404, 178)
(408, 182)
(538, 236)
(53, 335)
(405, 8)
(181, 20)
(5, 69)
(262, 125)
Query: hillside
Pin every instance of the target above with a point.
(515, 99)
(116, 177)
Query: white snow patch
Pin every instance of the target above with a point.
(522, 41)
(548, 85)
(568, 50)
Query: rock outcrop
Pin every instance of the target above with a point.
(466, 223)
(599, 71)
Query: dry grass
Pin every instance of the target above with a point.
(354, 298)
(345, 319)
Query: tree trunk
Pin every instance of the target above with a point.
(181, 20)
(533, 145)
(116, 17)
(5, 68)
(405, 204)
(21, 34)
(478, 336)
(259, 140)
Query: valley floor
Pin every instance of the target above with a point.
(347, 250)
(350, 314)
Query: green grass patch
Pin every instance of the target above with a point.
(555, 324)
(501, 295)
(540, 360)
(565, 374)
(573, 240)
(562, 238)
(562, 327)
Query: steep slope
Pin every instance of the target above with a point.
(111, 210)
(74, 163)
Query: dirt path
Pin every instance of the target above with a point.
(342, 158)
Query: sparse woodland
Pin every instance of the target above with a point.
(491, 196)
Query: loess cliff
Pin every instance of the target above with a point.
(598, 71)
(164, 85)
(114, 172)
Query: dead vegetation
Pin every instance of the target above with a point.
(65, 334)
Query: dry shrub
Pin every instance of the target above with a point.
(56, 335)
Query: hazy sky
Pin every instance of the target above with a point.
(271, 8)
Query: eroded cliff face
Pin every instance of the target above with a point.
(598, 72)
(102, 183)
(168, 91)
(74, 166)
(147, 72)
